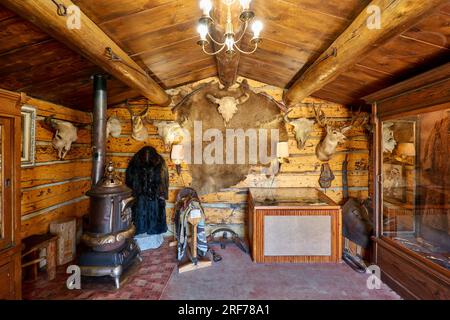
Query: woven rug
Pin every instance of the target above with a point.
(145, 280)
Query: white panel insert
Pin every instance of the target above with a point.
(297, 235)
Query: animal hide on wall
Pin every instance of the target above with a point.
(256, 112)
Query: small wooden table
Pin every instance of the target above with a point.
(31, 247)
(294, 225)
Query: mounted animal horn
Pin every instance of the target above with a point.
(302, 128)
(139, 130)
(228, 105)
(65, 135)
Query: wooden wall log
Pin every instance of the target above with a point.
(54, 189)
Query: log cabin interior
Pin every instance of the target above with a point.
(318, 168)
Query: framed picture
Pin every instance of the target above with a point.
(28, 135)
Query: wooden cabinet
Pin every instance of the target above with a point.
(294, 225)
(412, 184)
(10, 157)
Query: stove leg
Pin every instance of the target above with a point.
(116, 273)
(117, 282)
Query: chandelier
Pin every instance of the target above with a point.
(229, 42)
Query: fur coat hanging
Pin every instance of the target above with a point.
(148, 177)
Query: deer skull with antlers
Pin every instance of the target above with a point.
(139, 130)
(302, 129)
(228, 105)
(334, 134)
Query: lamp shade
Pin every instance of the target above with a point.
(282, 150)
(177, 154)
(406, 149)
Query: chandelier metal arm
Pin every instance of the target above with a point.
(213, 53)
(215, 41)
(246, 52)
(243, 32)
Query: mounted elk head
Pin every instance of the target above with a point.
(139, 130)
(228, 105)
(171, 132)
(302, 129)
(113, 127)
(65, 135)
(335, 135)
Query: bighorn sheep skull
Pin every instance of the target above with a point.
(65, 135)
(302, 129)
(171, 132)
(228, 105)
(113, 127)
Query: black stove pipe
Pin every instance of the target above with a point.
(99, 128)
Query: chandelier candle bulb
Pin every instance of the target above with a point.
(257, 27)
(206, 6)
(202, 30)
(245, 4)
(231, 42)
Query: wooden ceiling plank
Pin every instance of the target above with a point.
(172, 70)
(357, 41)
(129, 26)
(152, 40)
(401, 54)
(15, 34)
(344, 9)
(433, 30)
(5, 13)
(191, 77)
(90, 41)
(101, 11)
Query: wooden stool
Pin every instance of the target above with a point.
(66, 230)
(31, 247)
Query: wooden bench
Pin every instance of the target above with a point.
(31, 248)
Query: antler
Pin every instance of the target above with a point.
(141, 114)
(357, 121)
(321, 118)
(186, 97)
(286, 118)
(243, 99)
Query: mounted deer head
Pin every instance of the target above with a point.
(228, 105)
(302, 128)
(335, 135)
(139, 130)
(65, 135)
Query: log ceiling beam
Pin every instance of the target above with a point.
(357, 41)
(91, 42)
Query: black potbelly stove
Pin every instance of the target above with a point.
(109, 246)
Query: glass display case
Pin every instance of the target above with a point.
(416, 184)
(411, 184)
